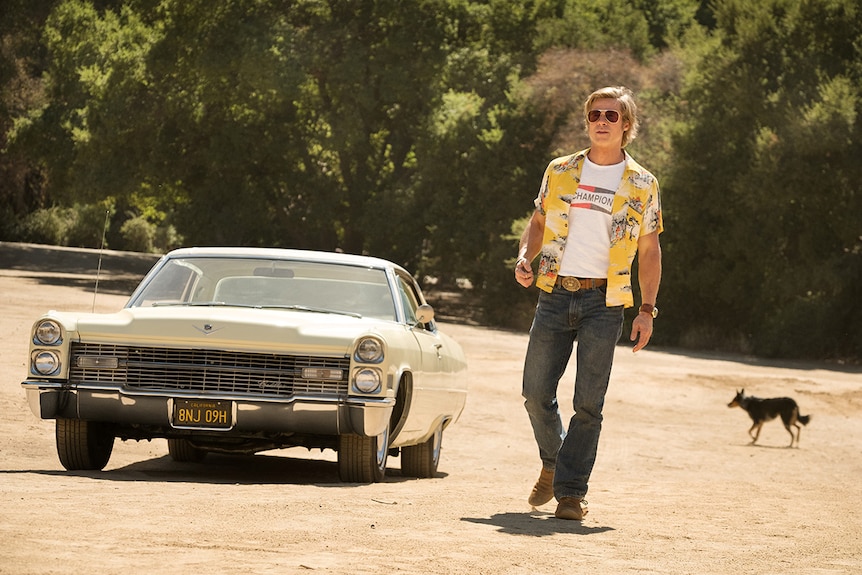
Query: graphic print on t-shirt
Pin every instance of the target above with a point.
(593, 198)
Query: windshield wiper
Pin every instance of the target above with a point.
(310, 309)
(253, 306)
(194, 304)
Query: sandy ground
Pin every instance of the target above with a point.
(677, 488)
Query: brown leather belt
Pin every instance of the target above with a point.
(574, 284)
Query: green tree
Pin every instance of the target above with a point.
(78, 135)
(368, 98)
(226, 151)
(763, 198)
(595, 25)
(21, 63)
(253, 122)
(667, 20)
(641, 27)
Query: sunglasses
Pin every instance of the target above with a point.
(612, 116)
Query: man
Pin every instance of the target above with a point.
(595, 211)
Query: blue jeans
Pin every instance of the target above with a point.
(561, 318)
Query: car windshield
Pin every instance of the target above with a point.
(268, 283)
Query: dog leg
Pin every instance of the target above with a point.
(788, 421)
(792, 437)
(756, 434)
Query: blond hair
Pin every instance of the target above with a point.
(628, 109)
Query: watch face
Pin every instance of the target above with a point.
(650, 309)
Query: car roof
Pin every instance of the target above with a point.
(286, 254)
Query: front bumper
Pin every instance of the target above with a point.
(299, 414)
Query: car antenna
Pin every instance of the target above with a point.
(101, 248)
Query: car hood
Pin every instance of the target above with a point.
(229, 328)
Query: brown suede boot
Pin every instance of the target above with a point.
(543, 490)
(571, 508)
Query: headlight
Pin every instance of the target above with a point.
(45, 362)
(369, 350)
(367, 380)
(48, 332)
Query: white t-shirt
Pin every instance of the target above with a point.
(587, 252)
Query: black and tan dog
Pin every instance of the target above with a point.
(763, 410)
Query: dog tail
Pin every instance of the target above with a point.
(803, 419)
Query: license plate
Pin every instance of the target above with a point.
(202, 413)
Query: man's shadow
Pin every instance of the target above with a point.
(535, 524)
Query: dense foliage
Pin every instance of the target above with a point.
(765, 183)
(418, 130)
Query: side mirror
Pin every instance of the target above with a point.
(424, 313)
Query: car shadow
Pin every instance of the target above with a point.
(536, 524)
(113, 286)
(65, 260)
(256, 469)
(112, 272)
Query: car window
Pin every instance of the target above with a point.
(411, 301)
(173, 283)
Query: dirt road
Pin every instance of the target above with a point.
(676, 488)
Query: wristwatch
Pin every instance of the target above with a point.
(649, 308)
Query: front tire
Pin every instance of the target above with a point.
(83, 445)
(422, 460)
(363, 459)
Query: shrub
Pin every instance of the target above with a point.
(47, 226)
(138, 234)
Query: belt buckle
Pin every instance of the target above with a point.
(570, 283)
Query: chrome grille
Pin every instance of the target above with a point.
(208, 371)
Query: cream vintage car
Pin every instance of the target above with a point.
(245, 350)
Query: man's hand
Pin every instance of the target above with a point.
(524, 272)
(529, 247)
(641, 331)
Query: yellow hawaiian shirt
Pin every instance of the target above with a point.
(636, 209)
